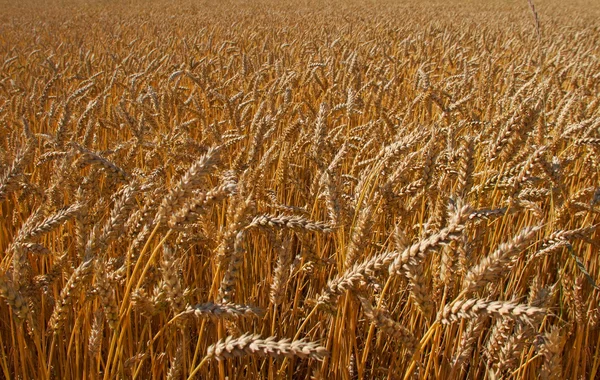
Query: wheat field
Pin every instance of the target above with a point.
(299, 190)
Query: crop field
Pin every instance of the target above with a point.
(299, 189)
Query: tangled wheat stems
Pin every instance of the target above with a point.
(333, 190)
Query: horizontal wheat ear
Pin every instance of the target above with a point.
(472, 308)
(249, 344)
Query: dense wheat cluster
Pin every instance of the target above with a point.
(299, 190)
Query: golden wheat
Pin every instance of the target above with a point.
(380, 190)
